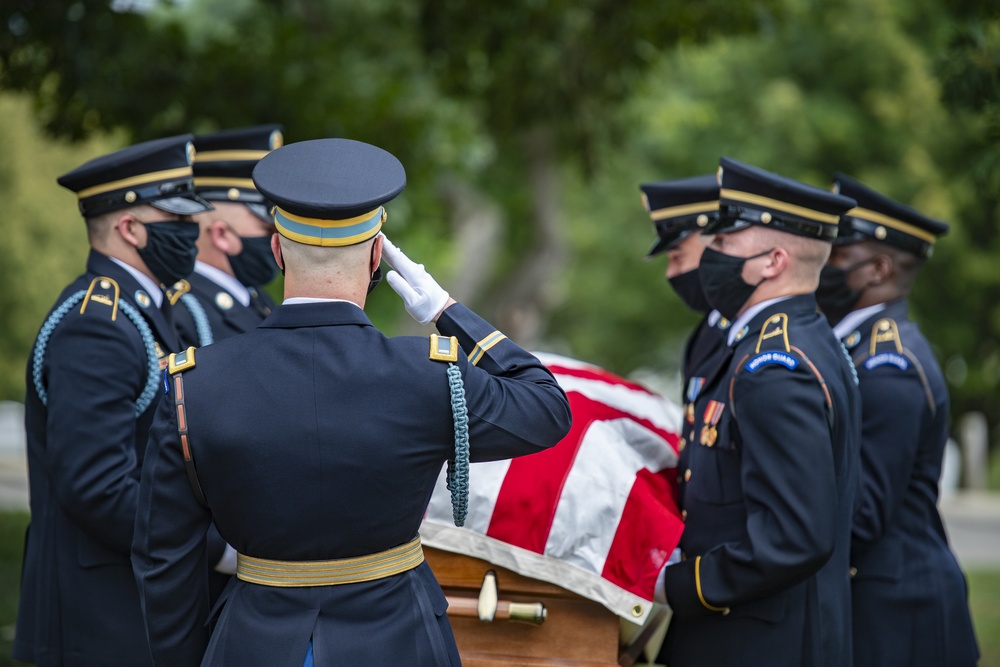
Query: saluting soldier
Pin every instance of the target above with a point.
(681, 210)
(93, 381)
(772, 475)
(910, 597)
(314, 442)
(225, 296)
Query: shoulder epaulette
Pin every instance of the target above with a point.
(177, 290)
(444, 348)
(105, 291)
(180, 361)
(886, 346)
(773, 346)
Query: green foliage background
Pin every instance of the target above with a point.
(604, 94)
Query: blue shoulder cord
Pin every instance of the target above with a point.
(458, 467)
(38, 358)
(201, 324)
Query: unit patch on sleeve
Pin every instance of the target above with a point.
(775, 357)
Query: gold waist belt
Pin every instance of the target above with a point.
(293, 574)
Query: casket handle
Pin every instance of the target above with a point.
(489, 606)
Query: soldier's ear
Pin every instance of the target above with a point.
(130, 228)
(882, 268)
(276, 251)
(223, 237)
(775, 263)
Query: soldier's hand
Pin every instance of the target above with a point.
(423, 298)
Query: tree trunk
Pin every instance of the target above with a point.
(532, 290)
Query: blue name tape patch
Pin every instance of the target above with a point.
(887, 358)
(768, 358)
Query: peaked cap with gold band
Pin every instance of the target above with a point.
(680, 207)
(751, 196)
(883, 219)
(224, 162)
(157, 173)
(329, 192)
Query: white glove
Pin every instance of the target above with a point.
(660, 590)
(227, 564)
(422, 296)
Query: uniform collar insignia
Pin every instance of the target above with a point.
(224, 300)
(852, 340)
(143, 299)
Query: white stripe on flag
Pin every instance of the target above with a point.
(485, 480)
(652, 407)
(598, 486)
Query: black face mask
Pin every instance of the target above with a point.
(833, 296)
(255, 266)
(170, 249)
(376, 275)
(688, 288)
(723, 283)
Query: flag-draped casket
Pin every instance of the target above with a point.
(593, 518)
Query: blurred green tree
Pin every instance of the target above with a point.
(526, 128)
(43, 241)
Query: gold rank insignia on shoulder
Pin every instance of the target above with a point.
(444, 348)
(177, 290)
(104, 291)
(180, 361)
(885, 331)
(775, 333)
(886, 347)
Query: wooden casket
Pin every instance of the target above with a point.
(534, 623)
(574, 536)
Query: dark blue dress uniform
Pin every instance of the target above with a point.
(93, 382)
(910, 597)
(771, 476)
(315, 439)
(223, 168)
(678, 209)
(216, 313)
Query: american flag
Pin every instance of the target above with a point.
(596, 513)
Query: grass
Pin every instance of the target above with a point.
(12, 525)
(984, 599)
(984, 594)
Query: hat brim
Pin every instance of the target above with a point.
(665, 243)
(725, 226)
(182, 205)
(262, 211)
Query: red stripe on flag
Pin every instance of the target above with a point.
(596, 374)
(530, 491)
(649, 530)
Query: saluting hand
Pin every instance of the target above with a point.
(423, 298)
